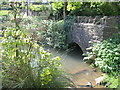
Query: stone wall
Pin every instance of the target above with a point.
(93, 29)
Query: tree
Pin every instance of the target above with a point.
(65, 8)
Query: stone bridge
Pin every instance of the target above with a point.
(96, 29)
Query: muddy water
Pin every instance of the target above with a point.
(80, 72)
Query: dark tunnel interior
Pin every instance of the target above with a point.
(75, 50)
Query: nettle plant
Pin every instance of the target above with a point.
(25, 64)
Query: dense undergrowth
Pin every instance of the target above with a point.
(48, 33)
(106, 56)
(53, 34)
(25, 64)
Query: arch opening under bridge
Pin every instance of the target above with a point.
(75, 50)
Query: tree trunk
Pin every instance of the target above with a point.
(27, 7)
(64, 9)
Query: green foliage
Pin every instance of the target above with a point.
(88, 8)
(74, 5)
(25, 63)
(57, 10)
(106, 56)
(4, 22)
(69, 21)
(53, 34)
(105, 8)
(21, 70)
(38, 8)
(57, 5)
(59, 35)
(111, 82)
(4, 12)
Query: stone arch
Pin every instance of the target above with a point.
(75, 49)
(84, 31)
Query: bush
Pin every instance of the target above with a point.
(106, 56)
(21, 70)
(26, 64)
(38, 8)
(50, 32)
(53, 34)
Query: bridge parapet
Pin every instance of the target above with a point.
(96, 29)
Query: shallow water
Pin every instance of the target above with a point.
(80, 72)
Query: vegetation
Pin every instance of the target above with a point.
(106, 56)
(53, 35)
(25, 63)
(38, 8)
(50, 32)
(87, 8)
(4, 12)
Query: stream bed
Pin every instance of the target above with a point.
(82, 73)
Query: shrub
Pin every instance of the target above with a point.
(4, 12)
(53, 34)
(26, 64)
(38, 8)
(106, 56)
(20, 68)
